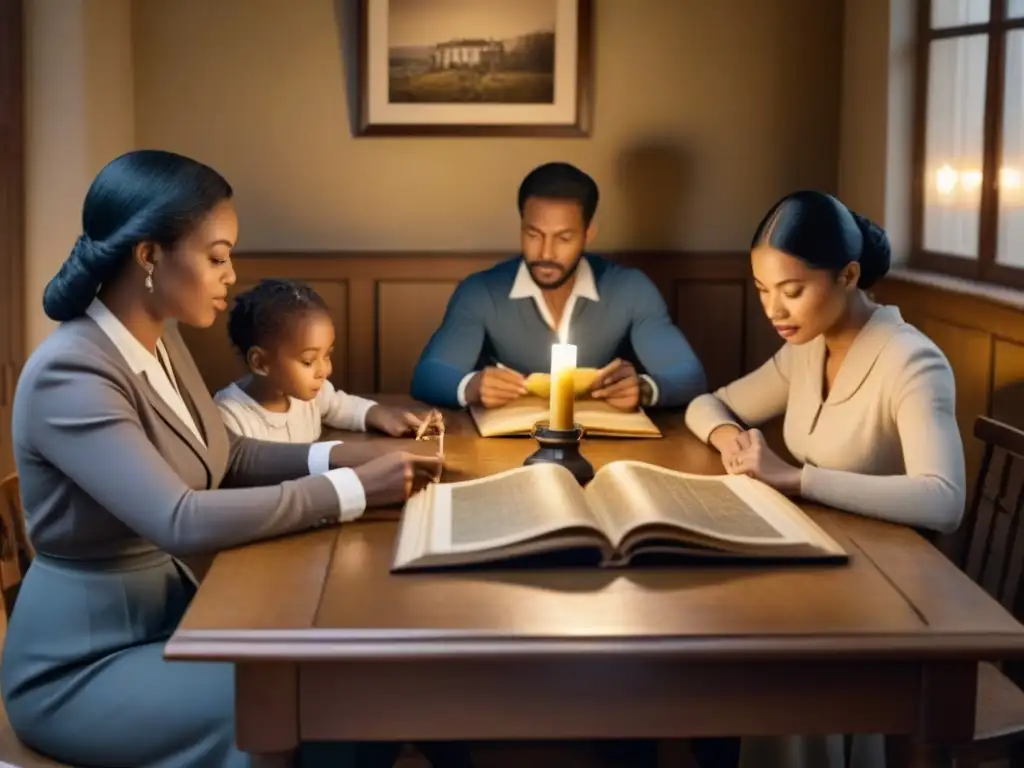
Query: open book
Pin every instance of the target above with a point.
(629, 508)
(599, 419)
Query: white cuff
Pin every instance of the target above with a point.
(654, 389)
(351, 494)
(461, 392)
(319, 461)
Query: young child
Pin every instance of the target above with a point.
(284, 333)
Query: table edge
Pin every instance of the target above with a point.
(340, 645)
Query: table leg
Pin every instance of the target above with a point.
(906, 752)
(267, 713)
(947, 704)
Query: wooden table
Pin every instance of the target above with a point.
(330, 646)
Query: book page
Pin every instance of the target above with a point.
(600, 418)
(632, 494)
(506, 508)
(519, 416)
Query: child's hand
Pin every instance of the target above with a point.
(392, 421)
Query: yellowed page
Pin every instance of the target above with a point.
(492, 513)
(730, 508)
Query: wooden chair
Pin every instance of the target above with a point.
(15, 556)
(992, 554)
(15, 549)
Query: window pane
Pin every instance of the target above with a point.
(1010, 248)
(956, 13)
(1015, 8)
(954, 143)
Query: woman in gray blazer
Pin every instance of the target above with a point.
(125, 466)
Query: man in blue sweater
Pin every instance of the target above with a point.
(500, 323)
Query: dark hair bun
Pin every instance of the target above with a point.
(876, 253)
(144, 195)
(73, 288)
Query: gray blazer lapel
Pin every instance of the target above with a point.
(153, 398)
(190, 380)
(173, 420)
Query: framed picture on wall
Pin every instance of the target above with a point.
(475, 67)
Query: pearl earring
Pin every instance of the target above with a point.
(149, 280)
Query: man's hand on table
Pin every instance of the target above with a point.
(495, 386)
(618, 384)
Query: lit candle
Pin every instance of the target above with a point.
(563, 389)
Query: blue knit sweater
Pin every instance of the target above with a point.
(482, 326)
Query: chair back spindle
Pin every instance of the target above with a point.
(993, 550)
(16, 550)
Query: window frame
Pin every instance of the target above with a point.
(984, 268)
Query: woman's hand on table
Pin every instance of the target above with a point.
(750, 455)
(396, 422)
(394, 477)
(729, 440)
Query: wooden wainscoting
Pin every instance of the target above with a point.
(983, 338)
(387, 305)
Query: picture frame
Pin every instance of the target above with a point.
(518, 68)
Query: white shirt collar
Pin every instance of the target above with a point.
(525, 288)
(142, 361)
(139, 359)
(583, 287)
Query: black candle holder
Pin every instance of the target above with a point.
(562, 447)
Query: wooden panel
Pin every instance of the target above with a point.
(762, 340)
(1008, 383)
(220, 364)
(408, 313)
(708, 313)
(392, 302)
(969, 352)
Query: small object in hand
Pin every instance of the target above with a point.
(432, 427)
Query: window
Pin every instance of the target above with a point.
(969, 164)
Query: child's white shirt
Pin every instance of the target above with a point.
(301, 423)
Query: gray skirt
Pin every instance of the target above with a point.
(83, 676)
(84, 680)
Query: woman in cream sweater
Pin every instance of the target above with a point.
(868, 401)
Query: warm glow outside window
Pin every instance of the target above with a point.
(971, 130)
(949, 182)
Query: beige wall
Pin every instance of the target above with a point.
(79, 114)
(706, 112)
(875, 160)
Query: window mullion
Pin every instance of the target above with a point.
(923, 54)
(988, 235)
